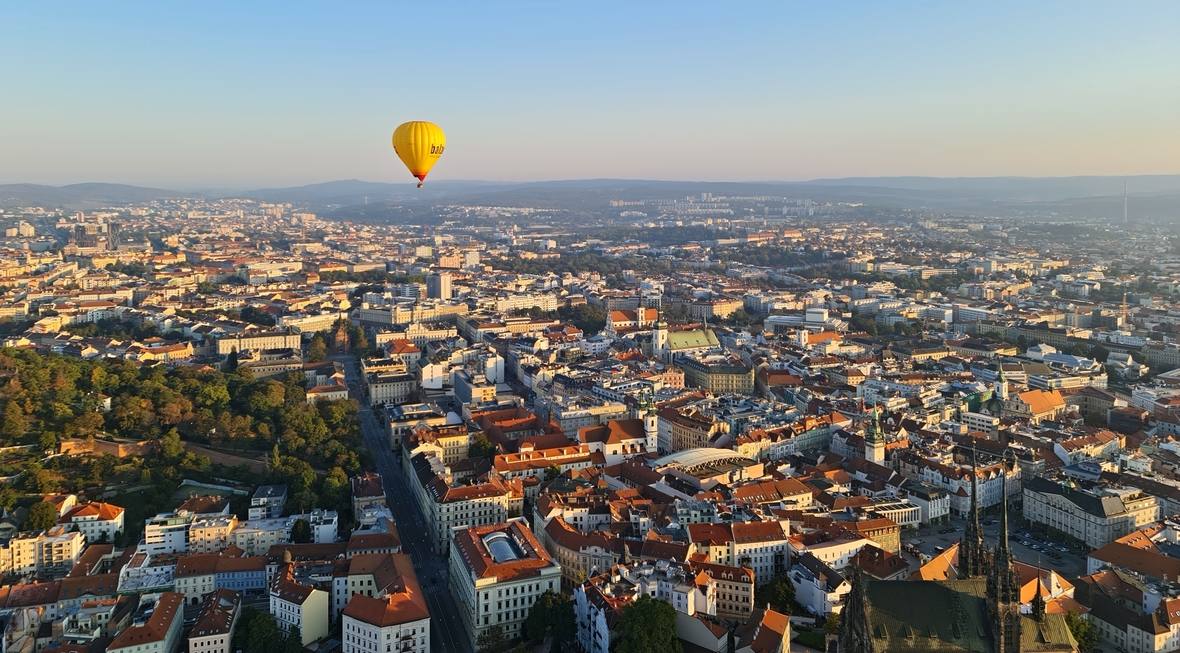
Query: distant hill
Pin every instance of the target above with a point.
(354, 191)
(1019, 188)
(1154, 196)
(80, 196)
(1008, 195)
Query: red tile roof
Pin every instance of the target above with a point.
(103, 511)
(155, 629)
(473, 550)
(404, 605)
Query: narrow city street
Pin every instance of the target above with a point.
(447, 632)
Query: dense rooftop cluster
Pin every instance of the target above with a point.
(929, 431)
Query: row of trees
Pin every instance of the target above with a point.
(257, 632)
(118, 330)
(773, 257)
(646, 626)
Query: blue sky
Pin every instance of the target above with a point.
(258, 93)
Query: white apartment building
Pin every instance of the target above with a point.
(257, 536)
(934, 504)
(166, 533)
(98, 522)
(836, 552)
(496, 574)
(818, 588)
(267, 502)
(902, 512)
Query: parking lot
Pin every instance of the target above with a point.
(1035, 549)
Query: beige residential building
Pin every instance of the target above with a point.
(1096, 518)
(761, 546)
(734, 588)
(297, 607)
(397, 619)
(581, 555)
(257, 340)
(211, 534)
(450, 442)
(447, 506)
(55, 550)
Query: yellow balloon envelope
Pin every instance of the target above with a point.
(419, 144)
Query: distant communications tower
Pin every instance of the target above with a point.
(1125, 220)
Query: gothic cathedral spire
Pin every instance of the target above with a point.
(972, 555)
(1003, 593)
(854, 621)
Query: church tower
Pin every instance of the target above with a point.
(875, 441)
(972, 555)
(1001, 389)
(651, 422)
(1003, 593)
(659, 338)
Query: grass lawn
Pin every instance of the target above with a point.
(810, 638)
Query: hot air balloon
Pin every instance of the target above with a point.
(419, 144)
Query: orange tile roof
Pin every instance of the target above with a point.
(104, 511)
(1042, 401)
(940, 567)
(156, 627)
(404, 603)
(482, 565)
(402, 347)
(614, 431)
(823, 336)
(769, 491)
(773, 629)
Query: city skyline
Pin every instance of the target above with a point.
(240, 97)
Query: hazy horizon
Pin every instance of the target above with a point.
(228, 96)
(817, 180)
